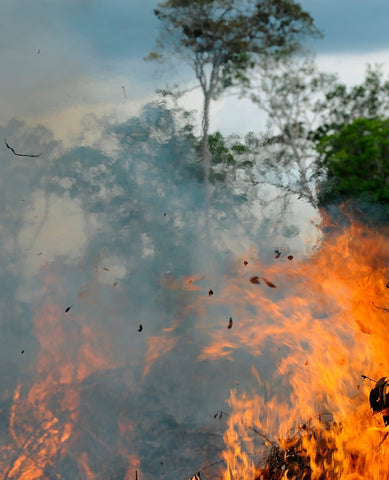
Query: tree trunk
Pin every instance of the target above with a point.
(205, 152)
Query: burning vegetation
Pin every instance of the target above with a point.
(321, 336)
(313, 414)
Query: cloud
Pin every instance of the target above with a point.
(349, 26)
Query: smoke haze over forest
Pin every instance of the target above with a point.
(112, 261)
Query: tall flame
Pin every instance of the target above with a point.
(318, 323)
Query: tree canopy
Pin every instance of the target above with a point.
(222, 39)
(227, 34)
(357, 160)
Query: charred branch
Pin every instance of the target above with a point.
(21, 154)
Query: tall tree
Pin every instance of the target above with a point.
(222, 39)
(341, 105)
(291, 90)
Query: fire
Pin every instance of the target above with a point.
(311, 336)
(310, 326)
(47, 430)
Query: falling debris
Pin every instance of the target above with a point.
(39, 51)
(124, 91)
(255, 280)
(245, 263)
(278, 253)
(40, 253)
(387, 285)
(106, 269)
(368, 378)
(20, 154)
(290, 257)
(165, 214)
(114, 284)
(269, 283)
(68, 309)
(220, 414)
(230, 324)
(210, 293)
(22, 352)
(140, 328)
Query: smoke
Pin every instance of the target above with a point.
(117, 231)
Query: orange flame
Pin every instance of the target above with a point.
(45, 423)
(318, 327)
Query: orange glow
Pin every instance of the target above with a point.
(318, 329)
(45, 425)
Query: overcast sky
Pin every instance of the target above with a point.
(63, 59)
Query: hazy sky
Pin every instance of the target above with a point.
(75, 57)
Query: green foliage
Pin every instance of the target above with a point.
(219, 150)
(226, 35)
(342, 105)
(357, 160)
(227, 154)
(221, 39)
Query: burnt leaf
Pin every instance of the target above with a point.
(230, 324)
(140, 328)
(255, 280)
(290, 257)
(269, 283)
(68, 309)
(278, 253)
(245, 263)
(210, 293)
